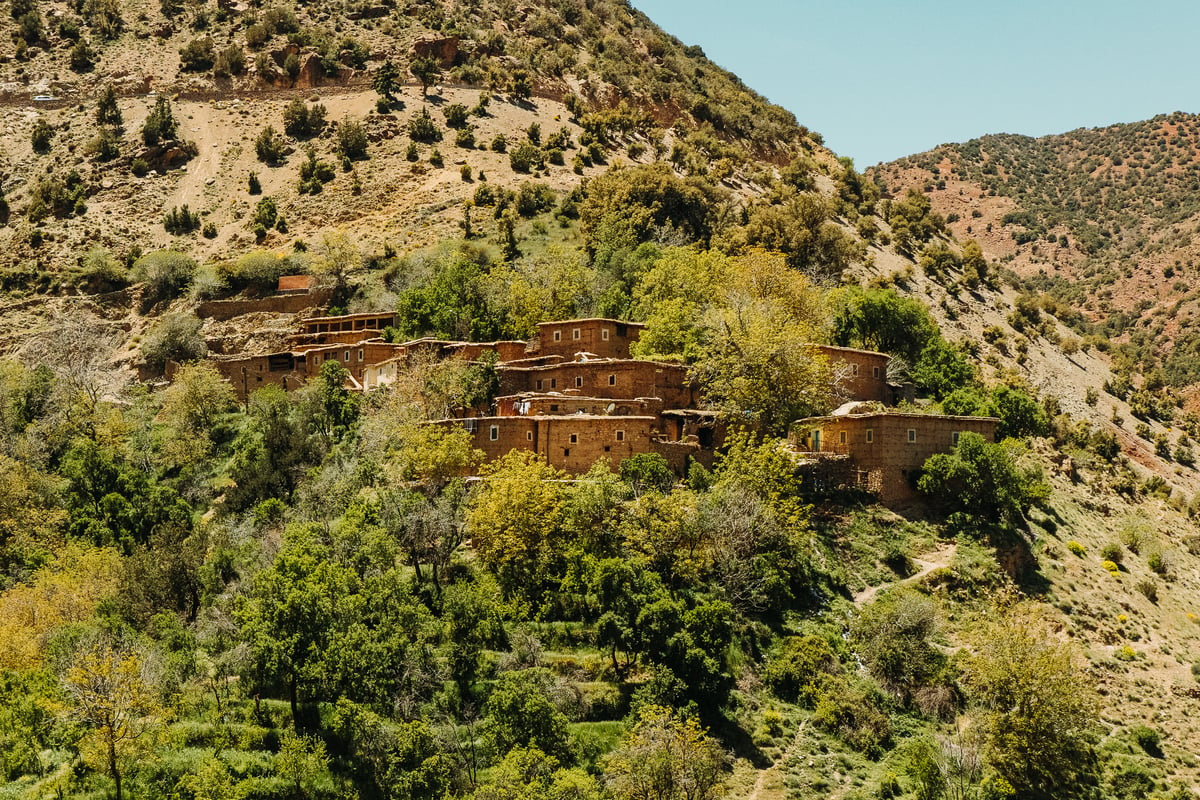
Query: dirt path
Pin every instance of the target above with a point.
(936, 559)
(770, 785)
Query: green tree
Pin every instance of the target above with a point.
(520, 712)
(107, 110)
(801, 229)
(386, 83)
(1037, 706)
(666, 758)
(983, 483)
(892, 636)
(160, 124)
(425, 69)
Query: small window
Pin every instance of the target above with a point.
(607, 448)
(578, 381)
(558, 336)
(360, 355)
(529, 436)
(554, 383)
(854, 370)
(259, 378)
(604, 334)
(874, 372)
(912, 435)
(566, 452)
(346, 356)
(842, 437)
(553, 407)
(612, 380)
(539, 385)
(574, 438)
(493, 432)
(954, 437)
(575, 333)
(620, 436)
(870, 435)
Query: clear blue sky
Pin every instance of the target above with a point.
(881, 79)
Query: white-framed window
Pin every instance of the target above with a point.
(874, 372)
(529, 436)
(620, 436)
(574, 333)
(360, 355)
(912, 435)
(870, 435)
(493, 432)
(604, 334)
(574, 438)
(558, 336)
(854, 370)
(578, 381)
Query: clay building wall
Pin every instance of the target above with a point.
(275, 304)
(862, 374)
(607, 379)
(371, 321)
(606, 338)
(532, 405)
(250, 373)
(573, 443)
(887, 449)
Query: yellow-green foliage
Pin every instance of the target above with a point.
(1111, 567)
(1076, 548)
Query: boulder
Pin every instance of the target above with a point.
(445, 49)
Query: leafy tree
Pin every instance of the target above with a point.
(880, 319)
(425, 69)
(352, 140)
(530, 774)
(303, 761)
(983, 483)
(801, 229)
(1037, 707)
(165, 273)
(302, 121)
(513, 521)
(666, 758)
(272, 450)
(112, 695)
(198, 54)
(386, 83)
(892, 636)
(176, 337)
(941, 368)
(270, 146)
(160, 124)
(647, 472)
(520, 712)
(422, 128)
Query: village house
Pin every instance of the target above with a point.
(881, 451)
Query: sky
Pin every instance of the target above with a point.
(881, 79)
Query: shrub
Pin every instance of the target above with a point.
(266, 213)
(314, 173)
(209, 231)
(160, 124)
(253, 183)
(534, 198)
(422, 128)
(1111, 552)
(104, 146)
(1111, 566)
(176, 337)
(1148, 588)
(197, 55)
(82, 57)
(181, 220)
(1148, 739)
(794, 672)
(1158, 562)
(270, 146)
(465, 172)
(1076, 548)
(413, 153)
(456, 115)
(41, 136)
(58, 197)
(525, 157)
(230, 61)
(500, 143)
(165, 273)
(465, 138)
(352, 140)
(303, 121)
(435, 159)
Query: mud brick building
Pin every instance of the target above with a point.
(884, 451)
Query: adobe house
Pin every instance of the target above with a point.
(600, 337)
(609, 378)
(861, 374)
(885, 449)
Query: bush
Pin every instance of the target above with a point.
(253, 184)
(165, 273)
(270, 146)
(525, 157)
(1148, 588)
(82, 57)
(303, 121)
(1111, 567)
(456, 115)
(534, 198)
(1111, 552)
(1076, 548)
(500, 143)
(314, 173)
(266, 213)
(181, 220)
(1158, 562)
(160, 124)
(176, 337)
(197, 55)
(465, 138)
(352, 140)
(41, 136)
(982, 482)
(230, 61)
(58, 197)
(794, 672)
(435, 159)
(422, 128)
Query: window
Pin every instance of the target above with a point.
(574, 438)
(553, 407)
(346, 356)
(566, 452)
(558, 336)
(360, 355)
(554, 383)
(574, 333)
(816, 441)
(578, 381)
(493, 432)
(874, 372)
(539, 385)
(870, 435)
(620, 436)
(842, 437)
(612, 380)
(604, 334)
(912, 435)
(854, 370)
(954, 437)
(529, 436)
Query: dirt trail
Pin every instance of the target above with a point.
(770, 783)
(936, 559)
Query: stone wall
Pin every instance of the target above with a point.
(606, 338)
(863, 374)
(606, 379)
(275, 304)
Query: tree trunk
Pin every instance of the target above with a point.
(112, 763)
